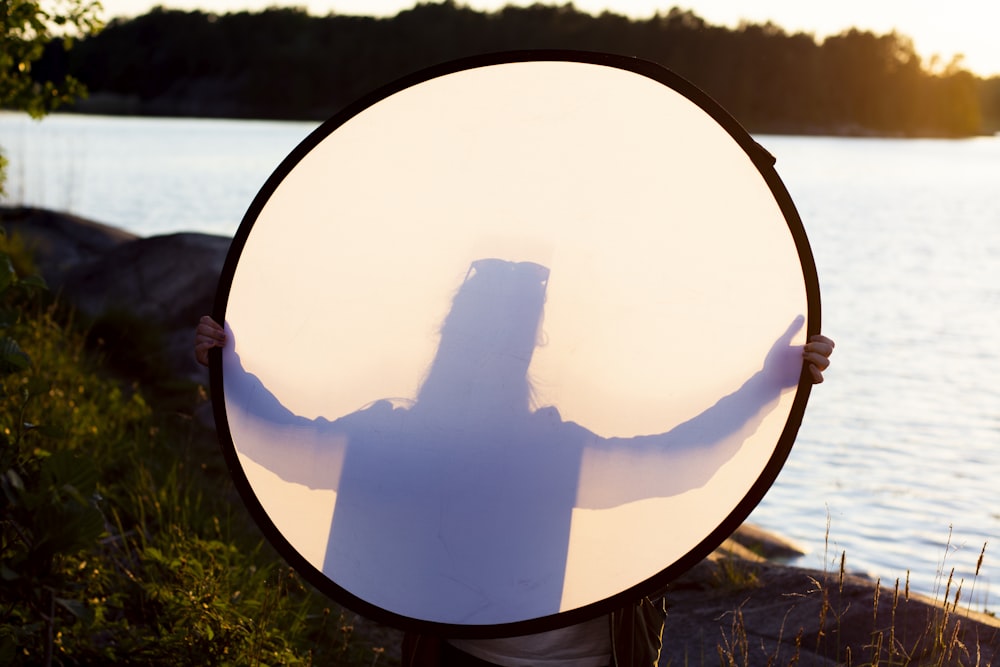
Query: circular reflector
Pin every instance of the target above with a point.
(513, 341)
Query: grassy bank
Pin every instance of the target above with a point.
(123, 541)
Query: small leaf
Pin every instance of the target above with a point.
(13, 486)
(12, 357)
(14, 480)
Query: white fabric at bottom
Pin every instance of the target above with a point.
(583, 645)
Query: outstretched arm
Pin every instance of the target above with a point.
(619, 470)
(295, 448)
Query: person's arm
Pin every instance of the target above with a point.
(297, 449)
(619, 470)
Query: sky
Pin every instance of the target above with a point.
(937, 28)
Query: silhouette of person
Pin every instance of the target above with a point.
(456, 508)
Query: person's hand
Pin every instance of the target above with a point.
(817, 353)
(209, 334)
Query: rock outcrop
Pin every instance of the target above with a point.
(167, 281)
(735, 608)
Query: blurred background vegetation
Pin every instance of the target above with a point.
(287, 64)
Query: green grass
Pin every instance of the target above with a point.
(123, 541)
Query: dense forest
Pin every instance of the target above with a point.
(285, 63)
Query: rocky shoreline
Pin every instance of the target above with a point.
(166, 281)
(743, 600)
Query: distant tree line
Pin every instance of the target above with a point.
(287, 64)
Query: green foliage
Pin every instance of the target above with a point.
(120, 542)
(284, 63)
(26, 27)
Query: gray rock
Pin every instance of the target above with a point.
(60, 241)
(785, 615)
(167, 281)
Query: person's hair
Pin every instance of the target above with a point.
(489, 336)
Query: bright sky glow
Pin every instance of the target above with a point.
(967, 27)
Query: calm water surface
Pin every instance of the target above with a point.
(898, 456)
(902, 446)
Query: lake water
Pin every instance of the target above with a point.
(898, 455)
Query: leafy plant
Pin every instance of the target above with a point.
(46, 497)
(26, 26)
